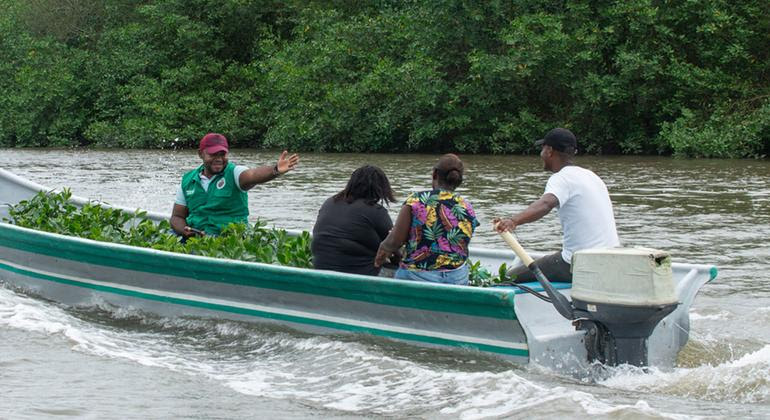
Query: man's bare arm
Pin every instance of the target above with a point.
(535, 211)
(178, 219)
(251, 177)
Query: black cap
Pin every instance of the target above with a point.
(558, 138)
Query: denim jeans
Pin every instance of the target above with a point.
(457, 276)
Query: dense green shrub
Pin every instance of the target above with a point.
(642, 76)
(46, 96)
(727, 132)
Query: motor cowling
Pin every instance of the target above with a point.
(619, 296)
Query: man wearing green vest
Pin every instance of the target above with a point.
(214, 195)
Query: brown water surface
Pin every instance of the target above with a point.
(701, 211)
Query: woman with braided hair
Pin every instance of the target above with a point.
(352, 223)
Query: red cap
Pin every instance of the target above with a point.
(213, 142)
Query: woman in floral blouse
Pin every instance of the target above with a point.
(436, 225)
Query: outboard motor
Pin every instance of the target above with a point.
(619, 295)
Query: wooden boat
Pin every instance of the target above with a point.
(502, 321)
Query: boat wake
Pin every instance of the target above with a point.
(363, 375)
(745, 379)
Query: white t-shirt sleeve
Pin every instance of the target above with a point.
(180, 197)
(237, 174)
(557, 185)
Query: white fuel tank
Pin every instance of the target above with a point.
(623, 276)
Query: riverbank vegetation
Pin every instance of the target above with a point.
(687, 78)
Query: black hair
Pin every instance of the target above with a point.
(368, 183)
(449, 171)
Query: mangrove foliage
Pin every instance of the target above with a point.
(686, 78)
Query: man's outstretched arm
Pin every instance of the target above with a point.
(251, 177)
(535, 211)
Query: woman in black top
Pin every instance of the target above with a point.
(352, 223)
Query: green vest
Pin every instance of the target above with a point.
(222, 204)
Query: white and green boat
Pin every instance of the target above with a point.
(502, 321)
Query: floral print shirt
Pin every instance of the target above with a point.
(442, 226)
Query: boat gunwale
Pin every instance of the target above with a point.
(486, 302)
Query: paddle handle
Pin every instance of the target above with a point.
(558, 300)
(516, 247)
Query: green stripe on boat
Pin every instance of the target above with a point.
(511, 349)
(485, 302)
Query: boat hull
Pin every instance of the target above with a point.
(499, 321)
(83, 272)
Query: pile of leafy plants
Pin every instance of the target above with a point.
(481, 277)
(53, 212)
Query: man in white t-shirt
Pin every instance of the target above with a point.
(584, 206)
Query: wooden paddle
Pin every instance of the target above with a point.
(558, 300)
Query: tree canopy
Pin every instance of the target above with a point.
(686, 78)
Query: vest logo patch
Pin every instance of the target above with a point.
(221, 184)
(190, 191)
